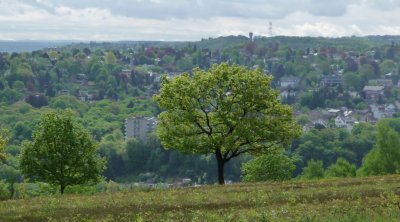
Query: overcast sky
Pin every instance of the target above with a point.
(193, 19)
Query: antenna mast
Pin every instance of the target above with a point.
(270, 29)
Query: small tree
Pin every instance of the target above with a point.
(61, 153)
(3, 142)
(342, 168)
(274, 166)
(226, 111)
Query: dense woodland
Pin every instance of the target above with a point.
(105, 83)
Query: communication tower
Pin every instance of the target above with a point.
(270, 29)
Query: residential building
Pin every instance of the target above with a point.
(320, 123)
(368, 118)
(291, 81)
(383, 111)
(139, 127)
(373, 93)
(340, 122)
(333, 112)
(82, 79)
(387, 83)
(331, 80)
(345, 121)
(126, 73)
(288, 96)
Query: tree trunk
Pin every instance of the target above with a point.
(12, 190)
(62, 188)
(221, 164)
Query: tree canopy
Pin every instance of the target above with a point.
(226, 111)
(61, 153)
(384, 157)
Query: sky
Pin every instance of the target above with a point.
(191, 20)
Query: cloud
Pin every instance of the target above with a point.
(164, 9)
(193, 19)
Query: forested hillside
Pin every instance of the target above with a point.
(339, 90)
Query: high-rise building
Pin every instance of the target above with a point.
(139, 127)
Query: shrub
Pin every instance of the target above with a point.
(4, 191)
(274, 166)
(342, 168)
(313, 170)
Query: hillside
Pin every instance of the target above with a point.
(359, 199)
(227, 42)
(332, 84)
(28, 46)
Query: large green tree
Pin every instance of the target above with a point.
(61, 153)
(226, 111)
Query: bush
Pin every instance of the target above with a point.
(81, 189)
(5, 193)
(274, 166)
(342, 168)
(313, 170)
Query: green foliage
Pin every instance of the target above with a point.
(53, 73)
(384, 158)
(110, 58)
(226, 111)
(20, 69)
(366, 72)
(71, 102)
(342, 168)
(4, 191)
(9, 171)
(275, 166)
(10, 96)
(3, 142)
(313, 170)
(333, 200)
(352, 81)
(61, 153)
(388, 66)
(329, 144)
(137, 152)
(18, 85)
(303, 119)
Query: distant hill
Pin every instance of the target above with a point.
(226, 42)
(221, 43)
(28, 46)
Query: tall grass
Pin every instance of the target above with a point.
(357, 199)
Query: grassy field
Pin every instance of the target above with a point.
(359, 199)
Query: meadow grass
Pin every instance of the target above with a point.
(355, 199)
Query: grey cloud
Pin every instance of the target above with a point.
(193, 19)
(383, 5)
(328, 8)
(204, 9)
(40, 4)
